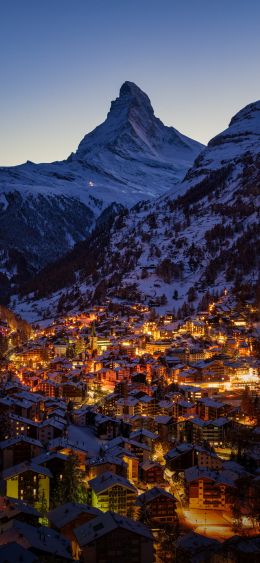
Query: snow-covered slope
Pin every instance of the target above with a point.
(46, 208)
(134, 148)
(175, 249)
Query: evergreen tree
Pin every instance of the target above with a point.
(72, 488)
(5, 426)
(43, 509)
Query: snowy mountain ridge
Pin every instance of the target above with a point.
(172, 251)
(46, 208)
(138, 144)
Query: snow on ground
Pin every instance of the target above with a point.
(84, 437)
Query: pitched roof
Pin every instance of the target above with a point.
(179, 450)
(46, 456)
(106, 523)
(224, 477)
(25, 466)
(195, 542)
(15, 553)
(42, 539)
(150, 495)
(143, 432)
(10, 507)
(11, 441)
(66, 513)
(107, 480)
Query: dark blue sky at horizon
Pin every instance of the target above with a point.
(63, 61)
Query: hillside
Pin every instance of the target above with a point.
(46, 208)
(173, 251)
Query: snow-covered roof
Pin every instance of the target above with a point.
(107, 480)
(106, 523)
(143, 432)
(15, 553)
(179, 450)
(193, 542)
(42, 539)
(12, 441)
(23, 467)
(152, 494)
(12, 506)
(68, 512)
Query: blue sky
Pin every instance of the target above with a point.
(63, 61)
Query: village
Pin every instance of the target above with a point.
(131, 436)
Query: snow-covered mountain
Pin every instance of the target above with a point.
(135, 149)
(173, 250)
(46, 208)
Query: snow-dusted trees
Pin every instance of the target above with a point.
(168, 270)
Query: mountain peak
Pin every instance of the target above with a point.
(251, 111)
(131, 90)
(133, 145)
(244, 128)
(130, 96)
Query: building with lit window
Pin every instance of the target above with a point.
(208, 489)
(158, 505)
(29, 482)
(112, 492)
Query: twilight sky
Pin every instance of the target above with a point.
(63, 61)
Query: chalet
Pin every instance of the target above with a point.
(194, 327)
(181, 457)
(141, 450)
(144, 437)
(131, 460)
(164, 426)
(139, 421)
(209, 409)
(195, 547)
(183, 408)
(19, 449)
(14, 552)
(31, 357)
(60, 348)
(79, 416)
(192, 393)
(49, 430)
(210, 370)
(111, 537)
(147, 405)
(127, 407)
(110, 463)
(112, 492)
(159, 506)
(29, 482)
(24, 407)
(212, 431)
(165, 408)
(71, 515)
(21, 426)
(108, 428)
(11, 509)
(209, 489)
(49, 387)
(55, 462)
(240, 548)
(44, 543)
(151, 472)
